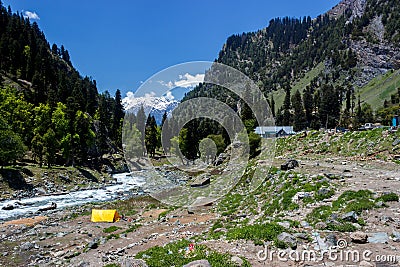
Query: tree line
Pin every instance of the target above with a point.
(48, 111)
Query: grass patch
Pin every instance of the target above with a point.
(177, 254)
(390, 197)
(111, 229)
(256, 233)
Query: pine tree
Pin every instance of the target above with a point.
(299, 119)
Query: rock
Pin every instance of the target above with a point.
(41, 190)
(348, 175)
(350, 217)
(304, 224)
(284, 224)
(288, 239)
(379, 204)
(83, 264)
(359, 237)
(198, 263)
(133, 263)
(27, 246)
(221, 158)
(93, 244)
(396, 142)
(331, 240)
(321, 225)
(201, 180)
(236, 260)
(59, 253)
(396, 236)
(332, 176)
(289, 165)
(376, 238)
(323, 191)
(303, 236)
(386, 219)
(224, 230)
(8, 207)
(53, 206)
(365, 264)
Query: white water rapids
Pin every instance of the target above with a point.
(30, 206)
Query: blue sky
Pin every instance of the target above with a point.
(120, 44)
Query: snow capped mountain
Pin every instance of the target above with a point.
(156, 106)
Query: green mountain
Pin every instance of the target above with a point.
(46, 106)
(348, 57)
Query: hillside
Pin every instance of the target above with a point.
(348, 50)
(49, 113)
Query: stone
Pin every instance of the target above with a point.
(27, 246)
(202, 180)
(365, 264)
(323, 191)
(396, 142)
(359, 237)
(284, 224)
(8, 207)
(83, 264)
(303, 236)
(198, 263)
(289, 165)
(221, 158)
(288, 239)
(381, 238)
(396, 236)
(304, 224)
(133, 263)
(350, 217)
(321, 225)
(93, 244)
(331, 240)
(386, 219)
(236, 260)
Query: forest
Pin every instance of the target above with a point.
(49, 113)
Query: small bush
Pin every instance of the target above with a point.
(265, 232)
(388, 197)
(110, 229)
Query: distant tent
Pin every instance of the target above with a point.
(104, 216)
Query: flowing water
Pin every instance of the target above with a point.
(30, 206)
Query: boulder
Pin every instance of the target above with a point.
(220, 159)
(198, 263)
(359, 237)
(288, 239)
(133, 263)
(237, 261)
(201, 180)
(350, 217)
(8, 207)
(376, 238)
(321, 226)
(289, 165)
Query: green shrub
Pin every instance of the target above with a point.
(388, 197)
(110, 229)
(265, 232)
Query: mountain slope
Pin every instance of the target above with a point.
(344, 49)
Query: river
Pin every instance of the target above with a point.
(30, 206)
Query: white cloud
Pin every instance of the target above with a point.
(169, 96)
(186, 80)
(31, 15)
(169, 84)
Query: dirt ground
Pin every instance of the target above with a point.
(57, 241)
